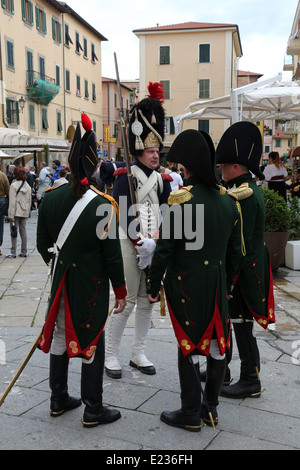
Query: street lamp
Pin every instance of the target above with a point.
(21, 103)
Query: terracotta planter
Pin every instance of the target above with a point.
(276, 243)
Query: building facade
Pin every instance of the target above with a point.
(194, 61)
(50, 62)
(112, 144)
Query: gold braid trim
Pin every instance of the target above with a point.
(242, 228)
(109, 198)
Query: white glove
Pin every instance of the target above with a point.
(145, 249)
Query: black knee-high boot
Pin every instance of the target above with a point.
(92, 388)
(188, 417)
(249, 384)
(60, 400)
(214, 380)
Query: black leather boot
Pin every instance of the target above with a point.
(214, 381)
(92, 388)
(188, 417)
(60, 400)
(249, 383)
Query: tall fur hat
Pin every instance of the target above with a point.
(147, 121)
(83, 158)
(241, 143)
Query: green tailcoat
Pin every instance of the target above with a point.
(199, 271)
(89, 259)
(253, 296)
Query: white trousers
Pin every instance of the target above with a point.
(136, 296)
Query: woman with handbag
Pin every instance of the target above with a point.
(18, 210)
(4, 190)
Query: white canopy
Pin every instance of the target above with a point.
(268, 99)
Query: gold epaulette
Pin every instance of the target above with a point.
(51, 189)
(242, 192)
(179, 196)
(108, 198)
(296, 188)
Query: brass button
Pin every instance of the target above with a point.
(187, 323)
(60, 262)
(179, 278)
(74, 265)
(206, 263)
(88, 325)
(183, 301)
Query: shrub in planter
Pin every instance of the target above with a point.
(277, 226)
(294, 204)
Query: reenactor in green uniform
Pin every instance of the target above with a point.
(198, 250)
(239, 153)
(82, 267)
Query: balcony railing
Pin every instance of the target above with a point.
(32, 74)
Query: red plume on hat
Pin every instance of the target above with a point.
(156, 91)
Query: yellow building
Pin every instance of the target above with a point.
(50, 63)
(194, 61)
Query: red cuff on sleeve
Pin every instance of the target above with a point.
(136, 241)
(120, 292)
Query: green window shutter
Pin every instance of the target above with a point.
(166, 84)
(12, 6)
(204, 53)
(45, 22)
(3, 3)
(31, 13)
(31, 116)
(53, 29)
(10, 54)
(37, 18)
(44, 119)
(164, 55)
(59, 124)
(8, 110)
(59, 33)
(17, 113)
(23, 10)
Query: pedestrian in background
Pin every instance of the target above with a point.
(276, 174)
(18, 210)
(4, 192)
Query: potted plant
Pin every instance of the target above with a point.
(277, 226)
(292, 250)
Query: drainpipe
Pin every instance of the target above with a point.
(64, 73)
(2, 88)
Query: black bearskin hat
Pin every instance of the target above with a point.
(83, 157)
(241, 144)
(147, 122)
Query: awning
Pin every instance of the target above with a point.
(42, 92)
(27, 142)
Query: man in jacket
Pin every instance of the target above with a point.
(239, 153)
(146, 134)
(199, 248)
(82, 268)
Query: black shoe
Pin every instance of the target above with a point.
(59, 406)
(188, 421)
(242, 389)
(148, 370)
(23, 255)
(113, 374)
(105, 416)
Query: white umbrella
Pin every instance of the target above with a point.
(269, 99)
